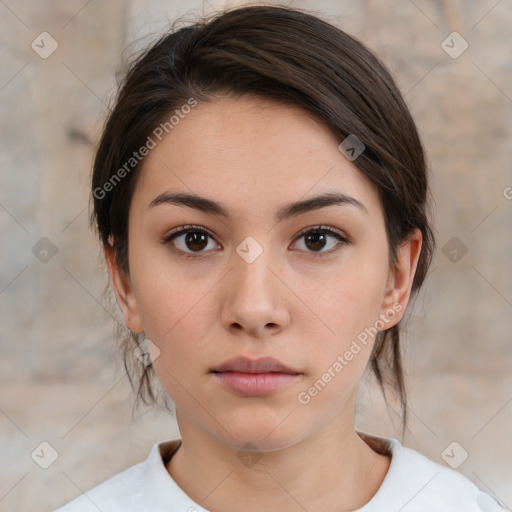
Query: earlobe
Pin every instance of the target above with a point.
(123, 290)
(401, 278)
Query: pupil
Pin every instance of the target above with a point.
(318, 240)
(194, 238)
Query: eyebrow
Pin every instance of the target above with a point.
(295, 209)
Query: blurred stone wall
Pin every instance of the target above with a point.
(61, 380)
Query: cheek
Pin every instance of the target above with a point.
(349, 300)
(169, 306)
(348, 305)
(349, 310)
(175, 311)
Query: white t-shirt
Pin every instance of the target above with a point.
(413, 483)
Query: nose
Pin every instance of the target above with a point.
(254, 298)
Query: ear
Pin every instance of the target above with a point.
(123, 289)
(398, 290)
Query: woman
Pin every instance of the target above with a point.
(260, 192)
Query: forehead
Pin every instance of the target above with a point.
(251, 151)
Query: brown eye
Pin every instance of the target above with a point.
(190, 240)
(196, 241)
(317, 239)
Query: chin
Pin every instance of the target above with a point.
(263, 432)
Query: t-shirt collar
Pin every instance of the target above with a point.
(160, 493)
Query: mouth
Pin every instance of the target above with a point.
(254, 377)
(254, 366)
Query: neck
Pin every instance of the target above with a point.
(332, 470)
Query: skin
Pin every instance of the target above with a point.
(254, 156)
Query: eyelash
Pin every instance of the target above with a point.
(320, 229)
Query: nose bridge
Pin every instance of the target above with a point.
(251, 263)
(253, 299)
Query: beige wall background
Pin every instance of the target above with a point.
(61, 379)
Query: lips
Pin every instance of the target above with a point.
(262, 365)
(254, 377)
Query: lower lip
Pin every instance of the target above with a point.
(255, 384)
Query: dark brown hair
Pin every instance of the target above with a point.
(296, 58)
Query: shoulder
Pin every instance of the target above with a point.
(415, 483)
(442, 487)
(119, 493)
(143, 486)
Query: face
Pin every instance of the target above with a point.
(259, 267)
